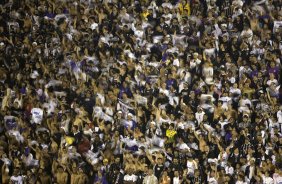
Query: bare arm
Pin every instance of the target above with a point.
(149, 156)
(196, 135)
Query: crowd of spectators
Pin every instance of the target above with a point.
(144, 91)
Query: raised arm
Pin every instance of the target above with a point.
(149, 156)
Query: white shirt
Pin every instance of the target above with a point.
(101, 97)
(132, 178)
(235, 91)
(176, 62)
(17, 179)
(200, 116)
(210, 52)
(37, 115)
(248, 33)
(222, 124)
(128, 123)
(51, 106)
(244, 102)
(164, 91)
(190, 166)
(173, 100)
(222, 159)
(269, 82)
(279, 116)
(240, 182)
(208, 71)
(232, 80)
(252, 170)
(212, 180)
(183, 146)
(17, 135)
(98, 111)
(194, 63)
(225, 99)
(176, 180)
(276, 25)
(150, 180)
(267, 180)
(53, 83)
(139, 33)
(277, 179)
(229, 170)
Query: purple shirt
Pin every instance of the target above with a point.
(254, 73)
(50, 15)
(101, 180)
(23, 90)
(125, 90)
(170, 82)
(274, 70)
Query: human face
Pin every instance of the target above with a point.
(176, 174)
(117, 160)
(160, 161)
(150, 172)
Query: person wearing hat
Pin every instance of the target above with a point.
(130, 124)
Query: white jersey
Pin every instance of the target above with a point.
(277, 179)
(37, 115)
(190, 166)
(17, 179)
(279, 116)
(267, 180)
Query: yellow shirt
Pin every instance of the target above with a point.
(184, 9)
(170, 133)
(145, 14)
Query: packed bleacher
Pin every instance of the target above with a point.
(143, 92)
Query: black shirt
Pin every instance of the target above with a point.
(158, 169)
